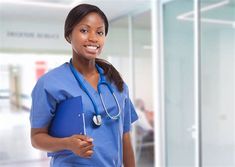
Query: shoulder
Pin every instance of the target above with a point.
(55, 72)
(53, 76)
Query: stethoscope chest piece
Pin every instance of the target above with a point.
(97, 120)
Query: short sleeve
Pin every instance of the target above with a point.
(130, 115)
(43, 106)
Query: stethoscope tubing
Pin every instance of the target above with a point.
(99, 92)
(82, 86)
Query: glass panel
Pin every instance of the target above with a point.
(143, 80)
(218, 74)
(119, 38)
(116, 49)
(179, 102)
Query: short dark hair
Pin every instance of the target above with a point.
(77, 14)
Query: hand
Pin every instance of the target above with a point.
(81, 145)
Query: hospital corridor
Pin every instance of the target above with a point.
(176, 56)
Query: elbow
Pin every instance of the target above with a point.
(34, 143)
(37, 137)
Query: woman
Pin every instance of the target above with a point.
(107, 142)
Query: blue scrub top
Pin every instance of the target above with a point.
(60, 84)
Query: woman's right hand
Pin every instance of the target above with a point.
(80, 145)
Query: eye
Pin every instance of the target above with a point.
(83, 31)
(101, 33)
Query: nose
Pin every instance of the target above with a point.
(92, 37)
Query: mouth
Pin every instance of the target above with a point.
(92, 47)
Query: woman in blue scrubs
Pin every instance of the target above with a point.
(107, 142)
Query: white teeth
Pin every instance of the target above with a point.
(91, 47)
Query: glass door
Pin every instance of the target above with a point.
(143, 100)
(178, 40)
(218, 80)
(133, 35)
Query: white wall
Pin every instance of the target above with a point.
(24, 35)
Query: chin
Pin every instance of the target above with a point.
(90, 57)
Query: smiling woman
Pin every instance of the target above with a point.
(88, 36)
(98, 92)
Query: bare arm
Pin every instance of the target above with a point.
(128, 153)
(79, 144)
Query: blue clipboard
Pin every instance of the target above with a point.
(68, 120)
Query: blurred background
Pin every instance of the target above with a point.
(185, 119)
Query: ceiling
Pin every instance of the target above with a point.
(141, 20)
(63, 2)
(58, 9)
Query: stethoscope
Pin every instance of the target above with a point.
(97, 117)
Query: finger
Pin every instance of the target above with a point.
(84, 138)
(82, 151)
(90, 139)
(83, 144)
(85, 149)
(88, 154)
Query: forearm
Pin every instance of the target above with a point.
(45, 142)
(79, 144)
(129, 159)
(128, 153)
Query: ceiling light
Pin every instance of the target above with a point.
(189, 15)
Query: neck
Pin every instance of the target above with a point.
(84, 66)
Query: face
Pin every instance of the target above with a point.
(88, 36)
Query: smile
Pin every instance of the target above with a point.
(92, 47)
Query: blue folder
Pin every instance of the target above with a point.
(68, 120)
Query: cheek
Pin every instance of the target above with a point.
(76, 43)
(102, 42)
(77, 38)
(101, 47)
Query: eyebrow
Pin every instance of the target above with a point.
(90, 26)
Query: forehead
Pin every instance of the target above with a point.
(92, 19)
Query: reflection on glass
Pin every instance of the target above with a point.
(142, 49)
(178, 62)
(218, 93)
(117, 51)
(117, 47)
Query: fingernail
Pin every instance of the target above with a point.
(90, 139)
